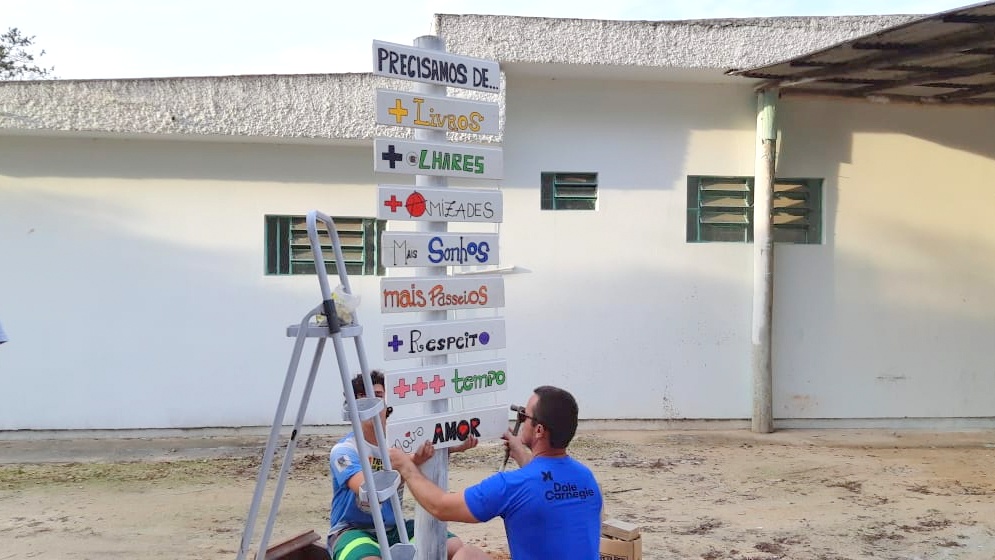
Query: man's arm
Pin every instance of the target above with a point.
(442, 505)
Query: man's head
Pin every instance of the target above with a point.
(551, 413)
(376, 378)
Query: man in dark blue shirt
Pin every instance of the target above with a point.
(551, 505)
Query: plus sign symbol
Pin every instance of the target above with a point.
(395, 343)
(393, 203)
(419, 386)
(391, 155)
(398, 111)
(437, 384)
(401, 388)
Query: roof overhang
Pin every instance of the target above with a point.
(947, 58)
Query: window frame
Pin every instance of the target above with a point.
(565, 190)
(287, 250)
(796, 209)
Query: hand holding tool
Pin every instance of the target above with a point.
(514, 431)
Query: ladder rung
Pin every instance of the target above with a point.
(401, 551)
(321, 331)
(369, 407)
(386, 483)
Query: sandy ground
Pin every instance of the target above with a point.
(794, 494)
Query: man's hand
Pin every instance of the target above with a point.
(402, 462)
(519, 452)
(423, 453)
(469, 443)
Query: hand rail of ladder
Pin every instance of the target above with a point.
(402, 550)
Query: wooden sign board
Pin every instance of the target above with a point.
(445, 382)
(448, 429)
(426, 204)
(431, 112)
(435, 67)
(437, 338)
(441, 159)
(402, 248)
(398, 295)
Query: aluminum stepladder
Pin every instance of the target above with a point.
(384, 483)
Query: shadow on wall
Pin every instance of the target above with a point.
(142, 309)
(891, 317)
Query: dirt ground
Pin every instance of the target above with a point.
(794, 494)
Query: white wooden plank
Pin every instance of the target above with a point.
(441, 159)
(432, 112)
(437, 338)
(435, 67)
(447, 381)
(402, 248)
(427, 204)
(449, 429)
(399, 295)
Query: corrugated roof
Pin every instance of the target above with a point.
(945, 58)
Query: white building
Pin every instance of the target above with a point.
(139, 288)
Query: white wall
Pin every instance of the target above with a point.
(134, 294)
(133, 287)
(619, 308)
(895, 315)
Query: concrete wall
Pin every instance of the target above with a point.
(133, 287)
(134, 294)
(893, 316)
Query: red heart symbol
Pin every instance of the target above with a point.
(407, 434)
(463, 429)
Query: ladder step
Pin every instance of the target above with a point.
(386, 483)
(321, 331)
(369, 407)
(401, 551)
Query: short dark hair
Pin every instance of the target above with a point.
(358, 389)
(556, 409)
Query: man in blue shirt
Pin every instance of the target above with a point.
(352, 535)
(551, 505)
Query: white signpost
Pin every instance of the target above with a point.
(413, 110)
(436, 338)
(440, 294)
(431, 205)
(435, 67)
(448, 381)
(440, 159)
(427, 204)
(448, 430)
(401, 248)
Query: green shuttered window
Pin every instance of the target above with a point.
(569, 191)
(721, 209)
(288, 250)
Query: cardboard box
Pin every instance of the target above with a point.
(615, 549)
(620, 541)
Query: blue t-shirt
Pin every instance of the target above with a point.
(551, 508)
(347, 512)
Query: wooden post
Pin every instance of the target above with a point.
(763, 262)
(430, 533)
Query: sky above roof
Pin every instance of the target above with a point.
(87, 39)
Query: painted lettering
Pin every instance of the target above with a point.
(450, 162)
(445, 344)
(471, 382)
(404, 298)
(423, 67)
(455, 430)
(438, 253)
